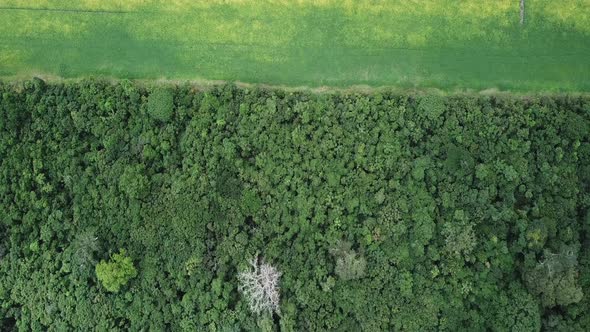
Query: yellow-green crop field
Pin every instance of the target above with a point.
(446, 44)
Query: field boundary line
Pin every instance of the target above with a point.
(65, 10)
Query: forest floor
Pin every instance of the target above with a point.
(441, 44)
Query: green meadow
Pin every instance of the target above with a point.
(445, 44)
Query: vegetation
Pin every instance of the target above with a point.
(348, 264)
(160, 104)
(448, 44)
(382, 211)
(115, 273)
(261, 287)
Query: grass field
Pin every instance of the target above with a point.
(409, 43)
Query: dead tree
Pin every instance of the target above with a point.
(260, 285)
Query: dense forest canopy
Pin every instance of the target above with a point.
(124, 207)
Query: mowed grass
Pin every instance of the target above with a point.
(446, 44)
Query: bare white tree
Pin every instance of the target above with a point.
(260, 285)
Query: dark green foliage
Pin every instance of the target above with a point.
(514, 310)
(134, 182)
(161, 103)
(383, 212)
(555, 279)
(459, 235)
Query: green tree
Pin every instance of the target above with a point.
(514, 310)
(116, 272)
(161, 103)
(555, 280)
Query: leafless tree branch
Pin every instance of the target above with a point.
(260, 285)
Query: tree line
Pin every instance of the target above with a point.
(131, 207)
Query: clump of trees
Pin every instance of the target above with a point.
(384, 211)
(555, 279)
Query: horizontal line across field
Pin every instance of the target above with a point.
(359, 51)
(68, 10)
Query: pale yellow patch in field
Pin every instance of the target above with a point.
(178, 5)
(400, 7)
(64, 4)
(417, 39)
(188, 4)
(99, 5)
(24, 3)
(421, 39)
(24, 25)
(269, 58)
(251, 25)
(485, 9)
(276, 23)
(575, 13)
(49, 25)
(463, 8)
(8, 57)
(413, 23)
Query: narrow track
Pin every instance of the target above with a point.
(65, 10)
